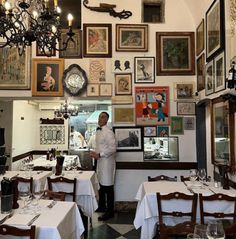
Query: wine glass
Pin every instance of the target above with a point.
(201, 230)
(193, 175)
(202, 174)
(24, 194)
(215, 230)
(193, 236)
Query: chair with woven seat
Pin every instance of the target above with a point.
(162, 177)
(58, 196)
(184, 211)
(15, 231)
(25, 181)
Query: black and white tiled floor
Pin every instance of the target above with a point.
(119, 227)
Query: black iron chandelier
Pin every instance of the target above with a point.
(66, 110)
(30, 21)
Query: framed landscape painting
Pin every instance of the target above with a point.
(219, 72)
(184, 91)
(177, 126)
(186, 108)
(123, 114)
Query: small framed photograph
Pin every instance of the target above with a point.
(144, 70)
(105, 89)
(184, 91)
(186, 108)
(162, 131)
(177, 126)
(123, 84)
(93, 90)
(129, 138)
(123, 114)
(209, 82)
(219, 72)
(201, 72)
(189, 123)
(41, 53)
(132, 37)
(97, 40)
(47, 77)
(150, 131)
(200, 38)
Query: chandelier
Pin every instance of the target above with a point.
(66, 110)
(30, 21)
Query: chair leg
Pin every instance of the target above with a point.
(90, 221)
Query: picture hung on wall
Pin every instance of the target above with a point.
(219, 72)
(14, 69)
(152, 105)
(97, 40)
(214, 29)
(123, 84)
(201, 72)
(122, 65)
(177, 126)
(93, 90)
(123, 114)
(52, 134)
(186, 108)
(97, 70)
(144, 70)
(162, 131)
(175, 54)
(129, 138)
(47, 77)
(122, 99)
(200, 38)
(184, 91)
(105, 89)
(132, 37)
(150, 131)
(189, 123)
(209, 82)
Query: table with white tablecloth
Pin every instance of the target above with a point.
(146, 216)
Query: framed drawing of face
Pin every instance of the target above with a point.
(123, 84)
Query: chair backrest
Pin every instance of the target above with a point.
(162, 177)
(62, 180)
(15, 231)
(59, 196)
(42, 168)
(22, 180)
(184, 207)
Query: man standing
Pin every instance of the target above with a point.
(105, 156)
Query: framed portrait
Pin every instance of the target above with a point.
(123, 114)
(209, 82)
(41, 53)
(97, 40)
(184, 91)
(15, 70)
(105, 89)
(186, 108)
(201, 72)
(122, 65)
(144, 70)
(123, 84)
(215, 33)
(152, 105)
(93, 90)
(219, 72)
(132, 37)
(200, 38)
(129, 138)
(175, 53)
(74, 48)
(162, 131)
(177, 126)
(47, 77)
(150, 131)
(189, 123)
(97, 70)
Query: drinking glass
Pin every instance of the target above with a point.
(201, 231)
(215, 230)
(24, 194)
(202, 174)
(193, 175)
(193, 236)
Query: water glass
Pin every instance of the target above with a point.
(201, 231)
(193, 236)
(215, 230)
(202, 174)
(193, 175)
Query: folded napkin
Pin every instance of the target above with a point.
(20, 219)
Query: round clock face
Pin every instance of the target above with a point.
(75, 80)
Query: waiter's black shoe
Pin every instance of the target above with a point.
(101, 209)
(106, 216)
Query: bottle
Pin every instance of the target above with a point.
(231, 78)
(48, 155)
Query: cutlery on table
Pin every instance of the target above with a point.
(33, 220)
(6, 217)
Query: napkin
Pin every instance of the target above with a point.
(20, 219)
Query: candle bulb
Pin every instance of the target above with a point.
(70, 19)
(55, 3)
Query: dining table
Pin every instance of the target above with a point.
(146, 216)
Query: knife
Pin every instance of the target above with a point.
(33, 219)
(6, 217)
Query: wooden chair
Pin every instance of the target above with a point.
(188, 215)
(25, 181)
(42, 168)
(229, 218)
(59, 196)
(162, 177)
(15, 231)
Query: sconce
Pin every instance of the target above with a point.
(231, 79)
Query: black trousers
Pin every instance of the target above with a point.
(106, 198)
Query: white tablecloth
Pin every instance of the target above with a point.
(146, 212)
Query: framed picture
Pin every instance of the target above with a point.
(122, 99)
(189, 123)
(177, 126)
(41, 53)
(162, 131)
(175, 54)
(123, 114)
(150, 131)
(47, 77)
(215, 29)
(219, 72)
(200, 38)
(186, 108)
(105, 89)
(97, 70)
(123, 84)
(201, 72)
(209, 83)
(97, 40)
(184, 91)
(93, 90)
(74, 48)
(122, 65)
(52, 134)
(144, 70)
(152, 105)
(132, 37)
(129, 138)
(15, 70)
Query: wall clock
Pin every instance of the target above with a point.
(74, 80)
